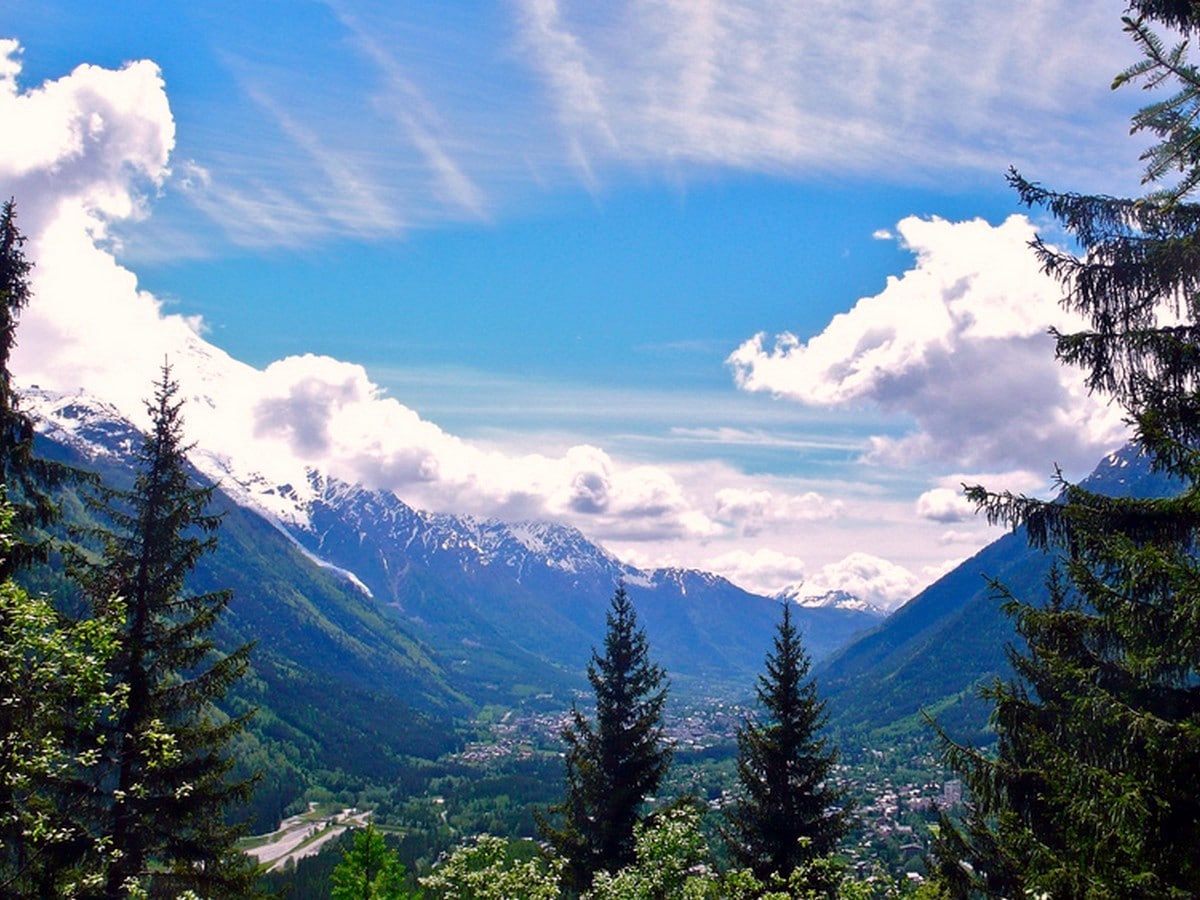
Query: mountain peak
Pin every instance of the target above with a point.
(82, 422)
(683, 579)
(832, 599)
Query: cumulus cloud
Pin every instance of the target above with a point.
(750, 510)
(869, 578)
(95, 145)
(945, 505)
(877, 581)
(79, 153)
(948, 503)
(763, 571)
(316, 412)
(958, 343)
(86, 149)
(78, 141)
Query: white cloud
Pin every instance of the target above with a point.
(958, 343)
(10, 64)
(749, 511)
(91, 143)
(945, 505)
(948, 503)
(81, 140)
(391, 116)
(877, 581)
(78, 153)
(763, 570)
(933, 573)
(96, 142)
(402, 100)
(313, 411)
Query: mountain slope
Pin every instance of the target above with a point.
(529, 599)
(336, 685)
(445, 610)
(935, 652)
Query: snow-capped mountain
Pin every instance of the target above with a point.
(495, 601)
(835, 599)
(83, 422)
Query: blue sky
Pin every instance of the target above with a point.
(725, 284)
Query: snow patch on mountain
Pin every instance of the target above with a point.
(308, 507)
(82, 422)
(97, 430)
(330, 567)
(684, 579)
(829, 600)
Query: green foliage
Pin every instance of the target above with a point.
(789, 812)
(167, 747)
(53, 693)
(488, 870)
(326, 657)
(369, 870)
(614, 764)
(1172, 119)
(673, 860)
(16, 434)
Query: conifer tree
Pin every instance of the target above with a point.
(790, 813)
(616, 761)
(168, 746)
(1092, 793)
(26, 478)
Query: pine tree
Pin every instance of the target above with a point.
(168, 747)
(790, 813)
(26, 478)
(1092, 792)
(1017, 828)
(616, 762)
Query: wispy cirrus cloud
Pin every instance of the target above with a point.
(414, 118)
(758, 437)
(399, 149)
(400, 98)
(880, 85)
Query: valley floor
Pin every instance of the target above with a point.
(303, 835)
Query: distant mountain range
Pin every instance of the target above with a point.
(378, 626)
(935, 652)
(351, 593)
(446, 611)
(828, 600)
